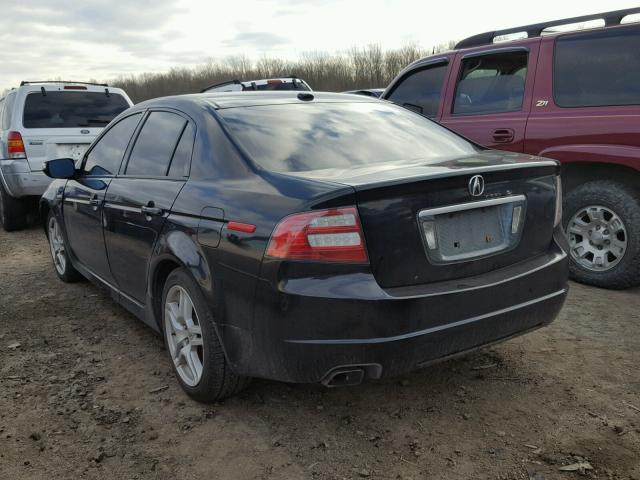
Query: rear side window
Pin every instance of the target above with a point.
(421, 90)
(491, 83)
(156, 144)
(598, 68)
(71, 109)
(106, 155)
(6, 113)
(181, 160)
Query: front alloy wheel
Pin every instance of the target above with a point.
(64, 269)
(56, 245)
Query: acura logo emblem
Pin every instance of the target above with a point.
(476, 185)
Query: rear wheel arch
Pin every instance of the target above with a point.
(159, 275)
(575, 174)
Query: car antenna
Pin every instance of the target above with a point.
(43, 91)
(106, 92)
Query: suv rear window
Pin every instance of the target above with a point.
(299, 138)
(598, 68)
(71, 109)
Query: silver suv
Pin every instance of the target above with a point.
(40, 121)
(266, 84)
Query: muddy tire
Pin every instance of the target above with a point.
(13, 211)
(602, 221)
(192, 342)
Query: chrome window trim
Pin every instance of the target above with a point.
(430, 212)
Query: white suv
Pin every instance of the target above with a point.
(40, 121)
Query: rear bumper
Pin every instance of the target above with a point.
(19, 181)
(316, 325)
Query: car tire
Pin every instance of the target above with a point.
(59, 252)
(591, 210)
(192, 342)
(13, 211)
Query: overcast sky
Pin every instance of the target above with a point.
(101, 39)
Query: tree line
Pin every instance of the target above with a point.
(367, 67)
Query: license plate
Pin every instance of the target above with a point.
(71, 150)
(472, 230)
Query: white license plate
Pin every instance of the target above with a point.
(72, 150)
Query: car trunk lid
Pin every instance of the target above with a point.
(423, 223)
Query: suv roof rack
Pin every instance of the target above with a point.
(535, 30)
(221, 84)
(30, 82)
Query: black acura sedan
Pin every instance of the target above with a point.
(307, 237)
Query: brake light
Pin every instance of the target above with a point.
(15, 145)
(273, 82)
(74, 87)
(333, 235)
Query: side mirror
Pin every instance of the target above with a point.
(60, 168)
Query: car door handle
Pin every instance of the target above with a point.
(95, 202)
(151, 210)
(503, 135)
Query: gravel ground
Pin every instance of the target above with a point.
(86, 391)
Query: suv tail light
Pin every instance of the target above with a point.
(15, 145)
(333, 235)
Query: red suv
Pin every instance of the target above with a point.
(572, 96)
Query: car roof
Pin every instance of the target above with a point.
(222, 100)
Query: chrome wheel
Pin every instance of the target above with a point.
(184, 335)
(598, 238)
(56, 244)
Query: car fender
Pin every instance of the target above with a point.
(51, 200)
(623, 155)
(178, 247)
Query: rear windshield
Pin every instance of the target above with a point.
(71, 109)
(315, 136)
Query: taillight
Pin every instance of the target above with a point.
(333, 235)
(15, 146)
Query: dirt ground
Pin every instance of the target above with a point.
(86, 391)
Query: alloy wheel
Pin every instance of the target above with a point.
(597, 237)
(56, 244)
(184, 335)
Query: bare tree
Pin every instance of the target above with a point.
(366, 67)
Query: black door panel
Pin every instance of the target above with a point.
(130, 232)
(82, 212)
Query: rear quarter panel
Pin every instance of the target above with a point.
(609, 134)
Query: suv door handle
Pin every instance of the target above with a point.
(149, 209)
(503, 135)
